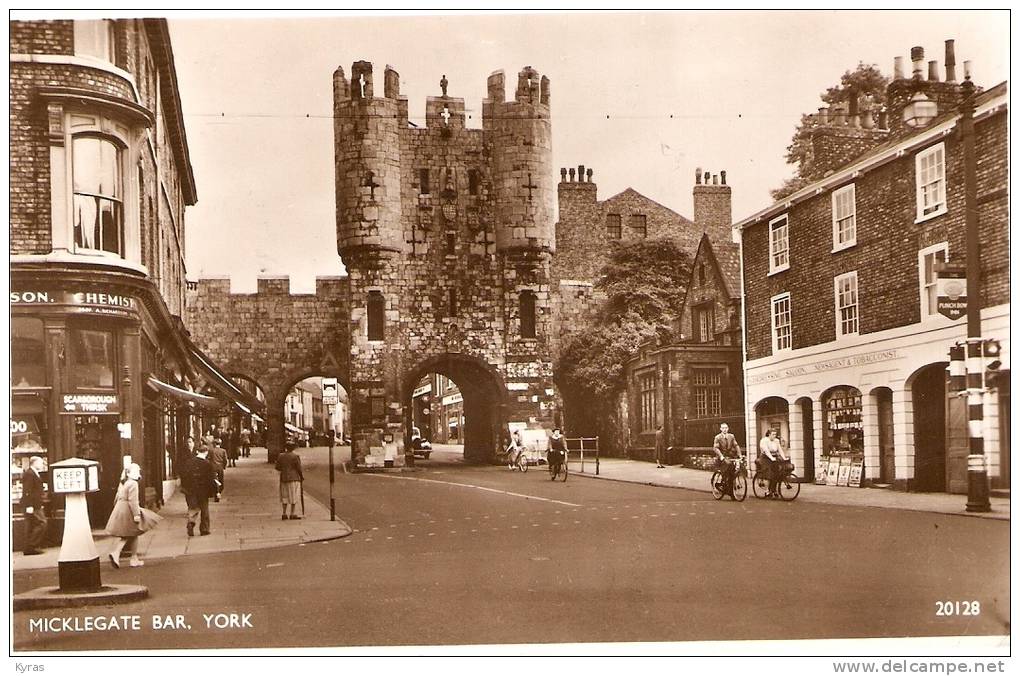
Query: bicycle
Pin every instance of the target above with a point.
(735, 485)
(559, 470)
(788, 487)
(518, 462)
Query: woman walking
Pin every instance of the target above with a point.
(128, 520)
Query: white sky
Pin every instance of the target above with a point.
(719, 90)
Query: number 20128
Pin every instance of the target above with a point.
(951, 608)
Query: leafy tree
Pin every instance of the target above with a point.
(645, 284)
(865, 81)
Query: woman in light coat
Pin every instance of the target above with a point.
(128, 520)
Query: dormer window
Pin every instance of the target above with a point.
(95, 39)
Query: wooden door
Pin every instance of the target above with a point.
(957, 444)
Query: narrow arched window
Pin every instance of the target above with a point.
(376, 315)
(452, 298)
(527, 314)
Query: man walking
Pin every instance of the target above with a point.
(32, 501)
(245, 442)
(218, 460)
(199, 484)
(289, 465)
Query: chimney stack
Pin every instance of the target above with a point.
(933, 71)
(898, 68)
(950, 61)
(712, 205)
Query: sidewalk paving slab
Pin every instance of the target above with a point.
(638, 471)
(247, 517)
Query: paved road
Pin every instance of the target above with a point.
(453, 554)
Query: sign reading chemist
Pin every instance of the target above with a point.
(82, 302)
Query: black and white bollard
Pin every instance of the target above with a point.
(78, 563)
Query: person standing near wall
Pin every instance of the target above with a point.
(32, 502)
(291, 476)
(660, 446)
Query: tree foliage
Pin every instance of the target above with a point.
(865, 81)
(645, 283)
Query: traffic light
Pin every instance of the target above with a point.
(993, 361)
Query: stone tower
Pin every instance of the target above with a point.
(447, 235)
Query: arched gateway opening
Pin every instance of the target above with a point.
(471, 413)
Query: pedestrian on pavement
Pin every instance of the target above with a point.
(230, 439)
(218, 459)
(726, 449)
(288, 464)
(245, 443)
(128, 519)
(32, 502)
(198, 481)
(210, 435)
(660, 446)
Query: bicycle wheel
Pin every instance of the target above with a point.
(760, 485)
(522, 463)
(740, 487)
(563, 471)
(789, 487)
(553, 469)
(717, 491)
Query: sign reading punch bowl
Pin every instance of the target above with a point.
(951, 291)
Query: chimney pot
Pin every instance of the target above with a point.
(950, 61)
(697, 176)
(563, 174)
(722, 174)
(933, 71)
(917, 56)
(588, 175)
(883, 119)
(867, 119)
(715, 179)
(572, 174)
(966, 70)
(823, 115)
(580, 173)
(898, 68)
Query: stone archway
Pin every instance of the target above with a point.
(485, 401)
(276, 396)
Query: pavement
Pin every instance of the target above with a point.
(637, 471)
(247, 517)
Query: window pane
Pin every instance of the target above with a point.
(92, 358)
(28, 356)
(94, 38)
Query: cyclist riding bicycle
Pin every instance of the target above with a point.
(516, 447)
(771, 454)
(557, 451)
(727, 451)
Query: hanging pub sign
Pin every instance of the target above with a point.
(90, 403)
(951, 290)
(80, 302)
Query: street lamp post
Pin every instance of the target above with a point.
(977, 471)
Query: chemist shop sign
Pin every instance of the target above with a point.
(90, 403)
(91, 302)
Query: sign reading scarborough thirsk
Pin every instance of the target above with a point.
(951, 290)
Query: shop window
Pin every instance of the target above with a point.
(844, 432)
(28, 352)
(28, 438)
(927, 259)
(92, 360)
(779, 244)
(98, 210)
(528, 323)
(376, 315)
(639, 224)
(95, 39)
(648, 404)
(707, 392)
(614, 230)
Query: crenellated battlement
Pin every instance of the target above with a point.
(327, 287)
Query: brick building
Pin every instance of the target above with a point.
(102, 367)
(692, 385)
(588, 228)
(845, 352)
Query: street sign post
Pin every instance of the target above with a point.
(332, 475)
(330, 395)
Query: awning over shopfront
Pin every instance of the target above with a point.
(229, 391)
(293, 428)
(184, 395)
